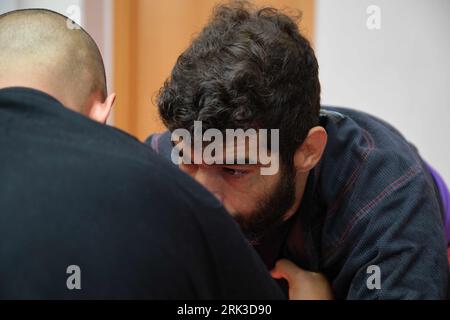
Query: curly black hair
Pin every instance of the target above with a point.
(248, 68)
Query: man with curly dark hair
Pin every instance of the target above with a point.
(353, 200)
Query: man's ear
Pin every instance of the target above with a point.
(100, 111)
(310, 152)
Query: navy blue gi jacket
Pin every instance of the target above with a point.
(370, 201)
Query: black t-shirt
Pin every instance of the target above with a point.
(78, 194)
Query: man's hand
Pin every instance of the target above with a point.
(303, 285)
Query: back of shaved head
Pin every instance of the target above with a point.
(44, 47)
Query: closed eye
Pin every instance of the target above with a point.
(234, 172)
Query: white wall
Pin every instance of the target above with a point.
(98, 21)
(400, 73)
(7, 5)
(62, 6)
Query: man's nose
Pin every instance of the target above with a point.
(210, 181)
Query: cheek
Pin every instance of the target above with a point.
(187, 169)
(255, 196)
(246, 200)
(239, 203)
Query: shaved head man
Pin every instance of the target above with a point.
(87, 211)
(42, 49)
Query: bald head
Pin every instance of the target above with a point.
(45, 50)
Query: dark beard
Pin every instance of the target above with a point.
(272, 208)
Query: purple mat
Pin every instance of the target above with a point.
(445, 196)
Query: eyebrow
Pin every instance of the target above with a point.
(246, 159)
(246, 163)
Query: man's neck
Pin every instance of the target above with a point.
(300, 191)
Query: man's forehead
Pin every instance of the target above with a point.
(238, 147)
(244, 152)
